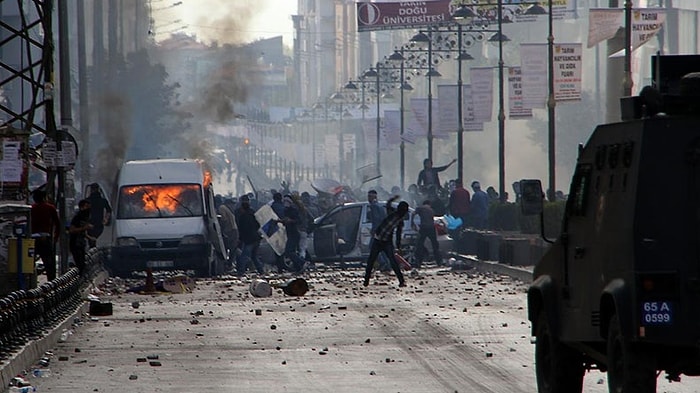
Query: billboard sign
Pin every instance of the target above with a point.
(401, 14)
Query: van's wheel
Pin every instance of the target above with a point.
(559, 369)
(630, 368)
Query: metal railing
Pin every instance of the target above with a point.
(27, 315)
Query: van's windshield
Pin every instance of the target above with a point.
(160, 200)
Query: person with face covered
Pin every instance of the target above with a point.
(382, 241)
(249, 238)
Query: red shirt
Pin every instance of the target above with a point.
(45, 219)
(459, 201)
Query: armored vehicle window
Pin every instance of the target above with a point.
(579, 190)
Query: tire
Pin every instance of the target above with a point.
(559, 369)
(631, 369)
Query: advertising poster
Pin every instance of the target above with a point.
(516, 110)
(567, 72)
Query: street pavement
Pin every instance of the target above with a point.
(452, 329)
(338, 336)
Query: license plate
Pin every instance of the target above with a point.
(657, 313)
(160, 264)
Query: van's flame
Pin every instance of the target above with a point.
(163, 198)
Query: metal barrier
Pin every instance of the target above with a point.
(27, 315)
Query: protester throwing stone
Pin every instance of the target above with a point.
(382, 241)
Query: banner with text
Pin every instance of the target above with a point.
(419, 108)
(468, 112)
(448, 94)
(521, 10)
(515, 95)
(412, 129)
(482, 92)
(646, 23)
(401, 14)
(533, 67)
(392, 128)
(603, 24)
(567, 72)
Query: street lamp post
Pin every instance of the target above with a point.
(536, 9)
(379, 123)
(501, 111)
(421, 38)
(461, 15)
(430, 94)
(398, 57)
(338, 98)
(314, 108)
(551, 105)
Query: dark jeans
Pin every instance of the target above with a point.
(45, 248)
(231, 243)
(423, 233)
(384, 264)
(387, 248)
(95, 233)
(291, 251)
(78, 252)
(249, 252)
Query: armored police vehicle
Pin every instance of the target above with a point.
(619, 289)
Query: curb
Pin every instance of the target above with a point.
(522, 273)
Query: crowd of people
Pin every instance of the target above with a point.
(296, 212)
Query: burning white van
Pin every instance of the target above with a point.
(165, 219)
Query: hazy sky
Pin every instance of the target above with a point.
(233, 21)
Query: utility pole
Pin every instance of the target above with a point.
(83, 94)
(66, 122)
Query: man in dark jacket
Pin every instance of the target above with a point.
(249, 237)
(100, 214)
(426, 229)
(428, 176)
(78, 234)
(46, 228)
(291, 221)
(382, 241)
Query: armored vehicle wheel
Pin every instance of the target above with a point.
(559, 368)
(630, 368)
